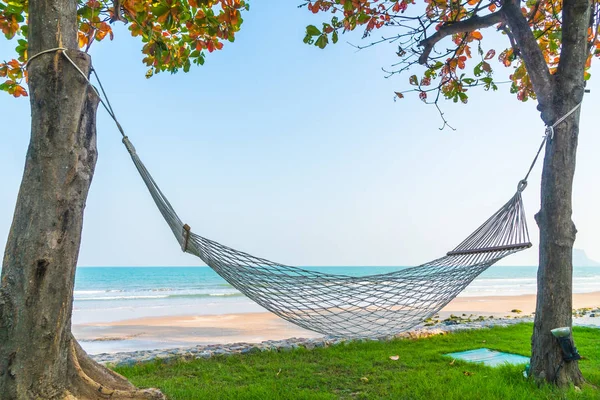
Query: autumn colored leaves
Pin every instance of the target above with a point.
(450, 70)
(175, 33)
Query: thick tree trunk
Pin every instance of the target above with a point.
(39, 358)
(555, 273)
(557, 230)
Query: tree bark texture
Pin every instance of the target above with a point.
(39, 358)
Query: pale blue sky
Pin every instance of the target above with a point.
(300, 155)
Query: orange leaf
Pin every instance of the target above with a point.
(20, 91)
(83, 40)
(476, 35)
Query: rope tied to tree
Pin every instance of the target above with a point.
(548, 136)
(550, 128)
(103, 100)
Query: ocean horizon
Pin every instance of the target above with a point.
(112, 293)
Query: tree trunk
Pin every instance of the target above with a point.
(557, 230)
(555, 273)
(39, 358)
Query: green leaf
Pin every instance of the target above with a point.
(362, 18)
(322, 41)
(413, 80)
(437, 65)
(14, 9)
(312, 30)
(159, 10)
(334, 37)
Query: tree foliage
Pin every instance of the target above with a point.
(462, 61)
(175, 33)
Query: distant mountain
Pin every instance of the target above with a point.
(580, 259)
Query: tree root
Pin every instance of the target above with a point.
(89, 380)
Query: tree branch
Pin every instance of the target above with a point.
(574, 52)
(534, 11)
(513, 44)
(467, 25)
(531, 54)
(595, 26)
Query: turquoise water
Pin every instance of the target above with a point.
(104, 294)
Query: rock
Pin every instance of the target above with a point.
(309, 346)
(251, 350)
(204, 354)
(221, 352)
(285, 348)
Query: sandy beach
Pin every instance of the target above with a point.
(191, 330)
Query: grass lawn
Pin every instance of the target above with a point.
(365, 371)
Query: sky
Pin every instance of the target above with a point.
(301, 155)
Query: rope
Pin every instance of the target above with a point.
(43, 52)
(550, 129)
(523, 182)
(104, 101)
(549, 135)
(108, 106)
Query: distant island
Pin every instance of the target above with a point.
(580, 259)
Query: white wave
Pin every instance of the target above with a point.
(121, 297)
(236, 293)
(88, 291)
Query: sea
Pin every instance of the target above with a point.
(108, 294)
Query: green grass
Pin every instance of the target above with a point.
(365, 371)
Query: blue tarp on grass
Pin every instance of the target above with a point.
(489, 357)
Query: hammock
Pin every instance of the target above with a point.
(348, 306)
